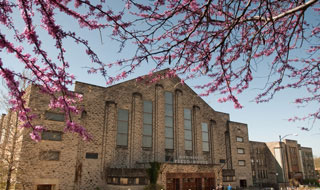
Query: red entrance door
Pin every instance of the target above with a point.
(209, 183)
(173, 184)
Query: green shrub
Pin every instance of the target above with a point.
(153, 172)
(312, 182)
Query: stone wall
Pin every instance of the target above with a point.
(242, 172)
(263, 165)
(76, 170)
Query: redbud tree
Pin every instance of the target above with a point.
(220, 39)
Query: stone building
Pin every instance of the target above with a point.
(263, 165)
(307, 163)
(293, 162)
(132, 124)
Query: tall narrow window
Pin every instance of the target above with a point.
(169, 119)
(205, 137)
(187, 130)
(147, 124)
(122, 130)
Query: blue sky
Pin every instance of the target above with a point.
(265, 121)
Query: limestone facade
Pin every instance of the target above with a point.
(263, 164)
(132, 124)
(307, 163)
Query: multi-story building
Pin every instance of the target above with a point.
(132, 124)
(263, 165)
(287, 162)
(317, 170)
(307, 163)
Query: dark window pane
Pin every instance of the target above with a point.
(44, 187)
(123, 115)
(147, 130)
(205, 146)
(92, 155)
(187, 145)
(122, 139)
(169, 132)
(169, 121)
(54, 116)
(187, 114)
(168, 110)
(169, 156)
(147, 118)
(147, 106)
(187, 124)
(204, 127)
(142, 181)
(51, 135)
(147, 141)
(187, 135)
(122, 127)
(168, 97)
(122, 130)
(49, 155)
(169, 143)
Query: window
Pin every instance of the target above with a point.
(113, 180)
(169, 155)
(240, 150)
(3, 134)
(147, 124)
(49, 155)
(222, 161)
(239, 139)
(228, 178)
(187, 129)
(122, 130)
(54, 116)
(293, 156)
(44, 187)
(123, 181)
(133, 181)
(51, 135)
(205, 137)
(127, 180)
(91, 155)
(241, 162)
(168, 120)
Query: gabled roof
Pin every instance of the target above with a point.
(176, 78)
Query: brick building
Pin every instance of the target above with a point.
(133, 124)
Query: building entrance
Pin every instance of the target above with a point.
(173, 184)
(190, 181)
(243, 183)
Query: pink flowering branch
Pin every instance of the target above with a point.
(224, 41)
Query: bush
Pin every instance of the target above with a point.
(310, 182)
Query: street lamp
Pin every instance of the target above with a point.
(282, 160)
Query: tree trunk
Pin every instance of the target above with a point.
(8, 184)
(12, 152)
